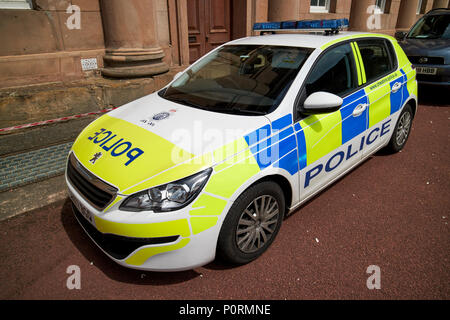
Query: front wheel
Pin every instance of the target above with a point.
(252, 223)
(401, 131)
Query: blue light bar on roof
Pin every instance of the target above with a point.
(326, 24)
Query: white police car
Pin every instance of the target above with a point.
(213, 162)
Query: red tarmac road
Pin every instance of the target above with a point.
(393, 211)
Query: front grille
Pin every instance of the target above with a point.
(98, 193)
(430, 60)
(118, 247)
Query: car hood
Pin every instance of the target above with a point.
(427, 48)
(153, 141)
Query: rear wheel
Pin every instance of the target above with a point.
(402, 130)
(252, 223)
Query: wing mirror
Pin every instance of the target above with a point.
(322, 102)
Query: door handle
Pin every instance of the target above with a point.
(396, 87)
(360, 109)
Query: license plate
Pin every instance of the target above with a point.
(82, 209)
(425, 70)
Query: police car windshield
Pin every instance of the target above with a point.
(432, 27)
(239, 79)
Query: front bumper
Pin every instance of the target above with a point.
(146, 240)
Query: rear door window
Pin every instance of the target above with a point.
(376, 59)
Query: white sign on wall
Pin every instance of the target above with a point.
(89, 64)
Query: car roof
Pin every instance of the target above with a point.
(301, 39)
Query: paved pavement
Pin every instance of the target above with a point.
(392, 211)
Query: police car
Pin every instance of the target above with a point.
(209, 165)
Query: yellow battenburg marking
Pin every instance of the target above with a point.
(144, 254)
(380, 99)
(118, 164)
(323, 136)
(200, 224)
(230, 149)
(144, 230)
(361, 63)
(227, 181)
(178, 172)
(208, 206)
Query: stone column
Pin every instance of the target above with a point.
(407, 14)
(131, 39)
(359, 15)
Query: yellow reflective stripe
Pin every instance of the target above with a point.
(144, 254)
(200, 224)
(207, 205)
(144, 230)
(357, 62)
(158, 152)
(178, 172)
(323, 134)
(231, 161)
(227, 181)
(361, 63)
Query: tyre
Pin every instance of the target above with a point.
(401, 131)
(252, 223)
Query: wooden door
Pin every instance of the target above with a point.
(208, 26)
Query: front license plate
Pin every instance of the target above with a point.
(82, 209)
(425, 70)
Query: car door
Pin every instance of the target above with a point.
(329, 144)
(384, 84)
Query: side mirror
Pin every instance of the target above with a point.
(400, 35)
(322, 102)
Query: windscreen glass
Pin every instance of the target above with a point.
(239, 79)
(432, 27)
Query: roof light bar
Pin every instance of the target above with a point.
(326, 25)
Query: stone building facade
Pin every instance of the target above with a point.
(64, 40)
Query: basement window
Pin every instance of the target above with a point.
(16, 4)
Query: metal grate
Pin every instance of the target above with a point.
(98, 193)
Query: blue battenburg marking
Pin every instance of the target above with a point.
(289, 163)
(396, 98)
(282, 123)
(405, 92)
(258, 135)
(353, 126)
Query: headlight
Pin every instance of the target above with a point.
(168, 197)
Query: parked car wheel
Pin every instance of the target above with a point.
(252, 223)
